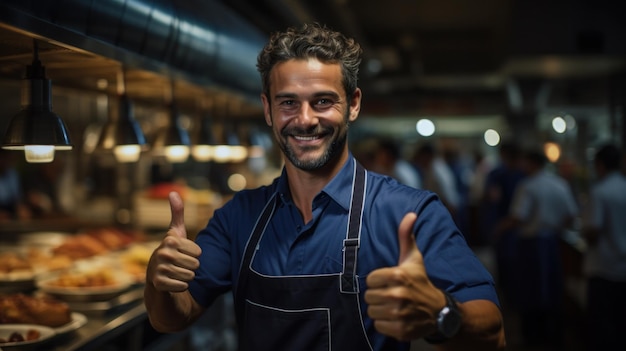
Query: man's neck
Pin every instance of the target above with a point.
(305, 185)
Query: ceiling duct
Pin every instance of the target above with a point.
(202, 40)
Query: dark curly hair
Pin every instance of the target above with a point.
(312, 41)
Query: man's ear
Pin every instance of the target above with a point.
(355, 105)
(266, 110)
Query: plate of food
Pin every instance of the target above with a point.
(16, 273)
(14, 267)
(24, 336)
(19, 308)
(90, 285)
(78, 320)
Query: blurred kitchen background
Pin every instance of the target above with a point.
(473, 73)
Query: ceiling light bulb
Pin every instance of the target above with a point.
(202, 153)
(39, 153)
(177, 153)
(127, 153)
(221, 153)
(238, 153)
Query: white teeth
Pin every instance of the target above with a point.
(305, 138)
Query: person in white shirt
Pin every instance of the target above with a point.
(605, 261)
(543, 206)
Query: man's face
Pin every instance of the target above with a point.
(309, 112)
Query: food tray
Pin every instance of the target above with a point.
(99, 308)
(84, 294)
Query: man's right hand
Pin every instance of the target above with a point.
(173, 263)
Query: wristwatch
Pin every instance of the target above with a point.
(448, 321)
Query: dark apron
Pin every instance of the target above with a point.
(304, 312)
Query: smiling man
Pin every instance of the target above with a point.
(329, 256)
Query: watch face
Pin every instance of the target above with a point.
(449, 322)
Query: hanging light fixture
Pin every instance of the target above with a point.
(238, 152)
(203, 147)
(174, 141)
(122, 132)
(231, 149)
(177, 140)
(258, 143)
(37, 130)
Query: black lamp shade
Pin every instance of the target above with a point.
(205, 136)
(36, 127)
(175, 133)
(123, 130)
(36, 124)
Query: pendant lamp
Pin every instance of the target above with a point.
(174, 141)
(231, 149)
(258, 143)
(177, 142)
(36, 130)
(202, 148)
(122, 132)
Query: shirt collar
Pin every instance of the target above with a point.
(339, 188)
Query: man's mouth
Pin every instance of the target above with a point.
(307, 137)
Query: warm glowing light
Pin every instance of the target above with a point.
(102, 83)
(229, 153)
(236, 182)
(127, 153)
(221, 153)
(238, 153)
(425, 127)
(552, 151)
(491, 137)
(202, 153)
(177, 153)
(559, 125)
(39, 153)
(256, 152)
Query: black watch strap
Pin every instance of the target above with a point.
(448, 321)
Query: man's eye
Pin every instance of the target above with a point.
(324, 102)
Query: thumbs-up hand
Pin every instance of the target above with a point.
(402, 300)
(172, 264)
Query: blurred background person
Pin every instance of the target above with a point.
(461, 168)
(12, 205)
(605, 261)
(384, 156)
(482, 167)
(500, 185)
(543, 206)
(436, 176)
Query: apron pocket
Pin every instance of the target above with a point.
(268, 328)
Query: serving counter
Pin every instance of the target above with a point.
(103, 317)
(123, 326)
(128, 329)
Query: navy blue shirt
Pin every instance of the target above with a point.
(292, 247)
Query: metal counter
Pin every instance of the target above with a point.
(102, 329)
(124, 323)
(125, 327)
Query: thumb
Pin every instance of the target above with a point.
(406, 238)
(177, 225)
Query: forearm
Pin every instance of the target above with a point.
(482, 328)
(170, 311)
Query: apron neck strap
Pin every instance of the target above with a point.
(348, 277)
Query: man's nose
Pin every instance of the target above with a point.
(307, 115)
